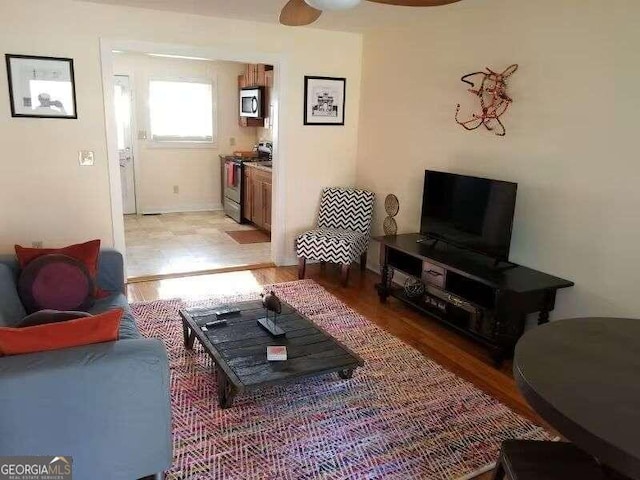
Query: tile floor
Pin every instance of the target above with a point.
(175, 243)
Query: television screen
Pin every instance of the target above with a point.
(469, 212)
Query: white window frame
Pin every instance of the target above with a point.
(213, 144)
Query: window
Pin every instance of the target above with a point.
(181, 111)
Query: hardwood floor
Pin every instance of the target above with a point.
(458, 354)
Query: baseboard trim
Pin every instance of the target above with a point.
(187, 209)
(211, 271)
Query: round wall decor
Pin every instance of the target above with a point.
(392, 207)
(390, 226)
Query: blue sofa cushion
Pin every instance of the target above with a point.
(11, 310)
(128, 328)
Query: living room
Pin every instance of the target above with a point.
(567, 146)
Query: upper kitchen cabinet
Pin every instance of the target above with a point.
(259, 76)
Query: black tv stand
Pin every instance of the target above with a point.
(469, 292)
(507, 264)
(424, 240)
(496, 261)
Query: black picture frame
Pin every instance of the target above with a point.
(328, 110)
(43, 69)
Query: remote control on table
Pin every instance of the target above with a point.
(223, 312)
(215, 323)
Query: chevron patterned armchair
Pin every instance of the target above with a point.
(342, 234)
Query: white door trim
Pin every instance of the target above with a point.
(132, 141)
(226, 53)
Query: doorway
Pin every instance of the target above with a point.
(123, 107)
(236, 244)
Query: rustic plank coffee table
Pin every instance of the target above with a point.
(239, 348)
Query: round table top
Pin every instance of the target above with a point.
(582, 375)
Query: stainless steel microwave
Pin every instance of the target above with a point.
(251, 100)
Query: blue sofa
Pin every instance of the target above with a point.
(105, 405)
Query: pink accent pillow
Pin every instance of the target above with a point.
(56, 282)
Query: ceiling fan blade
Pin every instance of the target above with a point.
(297, 13)
(415, 3)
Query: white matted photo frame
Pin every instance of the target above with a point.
(324, 100)
(41, 87)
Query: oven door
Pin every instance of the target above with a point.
(233, 210)
(233, 181)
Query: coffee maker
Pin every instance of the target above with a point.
(264, 149)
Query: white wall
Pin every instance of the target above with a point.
(196, 171)
(571, 131)
(55, 200)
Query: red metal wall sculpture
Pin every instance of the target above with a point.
(491, 88)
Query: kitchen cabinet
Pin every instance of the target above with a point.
(258, 75)
(266, 196)
(247, 194)
(257, 196)
(257, 200)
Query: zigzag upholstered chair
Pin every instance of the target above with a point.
(342, 234)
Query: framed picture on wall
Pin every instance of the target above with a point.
(41, 87)
(324, 99)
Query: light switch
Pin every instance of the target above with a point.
(86, 158)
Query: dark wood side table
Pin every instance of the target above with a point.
(582, 375)
(534, 460)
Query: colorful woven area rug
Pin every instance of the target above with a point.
(401, 416)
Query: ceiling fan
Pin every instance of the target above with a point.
(303, 12)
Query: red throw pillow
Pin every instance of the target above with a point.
(86, 252)
(54, 336)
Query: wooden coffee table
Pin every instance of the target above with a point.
(239, 349)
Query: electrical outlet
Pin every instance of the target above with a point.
(176, 189)
(86, 158)
(37, 244)
(232, 141)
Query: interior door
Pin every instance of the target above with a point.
(123, 108)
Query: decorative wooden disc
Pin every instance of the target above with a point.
(391, 205)
(390, 226)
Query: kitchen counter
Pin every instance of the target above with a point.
(244, 158)
(259, 166)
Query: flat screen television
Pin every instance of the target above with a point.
(469, 212)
